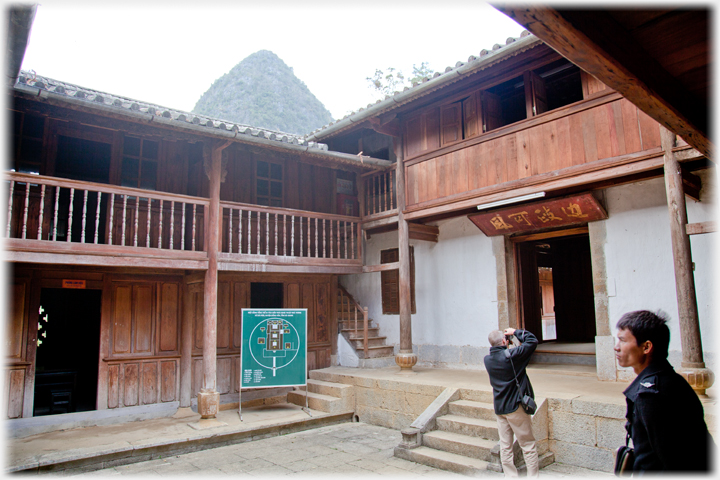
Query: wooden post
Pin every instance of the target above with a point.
(208, 397)
(186, 347)
(692, 365)
(405, 358)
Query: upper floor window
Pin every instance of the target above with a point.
(140, 163)
(27, 137)
(269, 184)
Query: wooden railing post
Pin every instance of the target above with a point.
(365, 331)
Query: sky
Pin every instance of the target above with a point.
(169, 53)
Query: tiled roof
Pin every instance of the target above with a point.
(512, 46)
(97, 98)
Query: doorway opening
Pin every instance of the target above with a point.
(266, 295)
(68, 350)
(556, 297)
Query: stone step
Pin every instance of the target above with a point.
(482, 396)
(372, 342)
(563, 358)
(337, 390)
(473, 409)
(474, 447)
(377, 351)
(317, 401)
(472, 427)
(445, 461)
(373, 332)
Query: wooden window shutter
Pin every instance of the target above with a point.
(470, 116)
(389, 280)
(451, 123)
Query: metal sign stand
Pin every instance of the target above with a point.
(306, 409)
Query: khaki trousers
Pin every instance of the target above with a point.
(520, 424)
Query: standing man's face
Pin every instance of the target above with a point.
(629, 353)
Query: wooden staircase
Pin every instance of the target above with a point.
(465, 440)
(360, 331)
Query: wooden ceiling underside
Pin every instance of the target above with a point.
(658, 59)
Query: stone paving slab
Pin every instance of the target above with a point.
(344, 450)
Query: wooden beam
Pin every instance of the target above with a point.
(691, 184)
(380, 268)
(702, 227)
(418, 231)
(391, 128)
(593, 40)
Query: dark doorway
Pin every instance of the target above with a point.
(556, 289)
(66, 364)
(266, 295)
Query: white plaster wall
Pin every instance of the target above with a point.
(639, 257)
(455, 292)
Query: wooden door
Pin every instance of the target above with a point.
(574, 297)
(491, 111)
(529, 289)
(535, 94)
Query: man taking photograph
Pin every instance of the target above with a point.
(502, 365)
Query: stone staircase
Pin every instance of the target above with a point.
(324, 396)
(461, 435)
(350, 325)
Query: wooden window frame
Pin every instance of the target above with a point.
(389, 297)
(141, 159)
(269, 179)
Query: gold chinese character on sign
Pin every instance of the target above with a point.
(520, 218)
(546, 215)
(574, 210)
(499, 223)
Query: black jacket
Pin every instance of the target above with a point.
(506, 396)
(667, 422)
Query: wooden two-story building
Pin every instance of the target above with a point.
(135, 235)
(525, 193)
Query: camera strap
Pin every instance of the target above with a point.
(507, 354)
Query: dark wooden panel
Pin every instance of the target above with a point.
(197, 373)
(602, 133)
(414, 136)
(305, 184)
(240, 300)
(224, 370)
(450, 123)
(649, 131)
(460, 171)
(432, 129)
(631, 130)
(168, 381)
(223, 315)
(169, 318)
(323, 190)
(293, 295)
(311, 360)
(149, 382)
(122, 319)
(197, 316)
(142, 309)
(308, 301)
(322, 310)
(564, 143)
(14, 339)
(130, 381)
(16, 388)
(113, 386)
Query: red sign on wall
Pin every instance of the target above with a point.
(73, 283)
(558, 212)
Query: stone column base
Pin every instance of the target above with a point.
(208, 403)
(406, 361)
(700, 379)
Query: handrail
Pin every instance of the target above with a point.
(288, 211)
(100, 211)
(353, 303)
(380, 192)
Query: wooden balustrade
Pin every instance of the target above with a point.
(349, 310)
(61, 210)
(255, 230)
(380, 192)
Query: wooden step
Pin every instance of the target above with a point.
(445, 460)
(372, 342)
(372, 332)
(474, 447)
(472, 427)
(472, 409)
(377, 352)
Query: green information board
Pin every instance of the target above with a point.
(274, 347)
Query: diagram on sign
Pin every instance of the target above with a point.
(274, 344)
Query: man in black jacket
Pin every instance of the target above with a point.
(664, 415)
(511, 418)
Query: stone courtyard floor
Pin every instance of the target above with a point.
(348, 449)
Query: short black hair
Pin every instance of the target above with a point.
(646, 325)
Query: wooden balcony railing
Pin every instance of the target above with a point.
(58, 210)
(380, 192)
(280, 232)
(348, 312)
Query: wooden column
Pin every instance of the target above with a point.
(186, 347)
(405, 358)
(208, 397)
(693, 365)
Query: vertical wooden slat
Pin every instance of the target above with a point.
(339, 254)
(112, 215)
(331, 239)
(137, 217)
(394, 190)
(182, 234)
(292, 235)
(230, 215)
(352, 240)
(123, 220)
(27, 204)
(42, 210)
(249, 236)
(147, 237)
(10, 203)
(70, 215)
(276, 237)
(259, 224)
(172, 222)
(97, 217)
(240, 212)
(301, 237)
(324, 235)
(84, 217)
(387, 189)
(193, 227)
(285, 243)
(267, 233)
(309, 242)
(160, 227)
(345, 231)
(317, 245)
(374, 195)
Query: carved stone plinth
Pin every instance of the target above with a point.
(208, 403)
(700, 379)
(411, 437)
(406, 361)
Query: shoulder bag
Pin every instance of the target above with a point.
(527, 403)
(625, 458)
